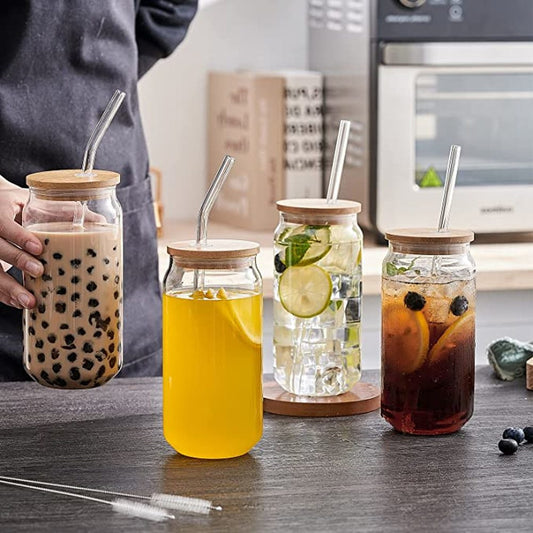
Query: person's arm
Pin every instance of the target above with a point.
(17, 246)
(160, 26)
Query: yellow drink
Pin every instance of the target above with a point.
(212, 396)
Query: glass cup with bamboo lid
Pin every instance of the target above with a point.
(212, 313)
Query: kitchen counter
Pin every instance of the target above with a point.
(499, 266)
(338, 474)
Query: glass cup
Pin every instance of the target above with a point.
(428, 331)
(73, 336)
(212, 338)
(317, 296)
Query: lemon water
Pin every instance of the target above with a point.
(317, 309)
(212, 396)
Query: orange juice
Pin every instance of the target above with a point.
(212, 396)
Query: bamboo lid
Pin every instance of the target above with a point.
(213, 250)
(429, 236)
(72, 179)
(318, 206)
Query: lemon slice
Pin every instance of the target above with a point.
(405, 337)
(305, 291)
(345, 252)
(244, 314)
(305, 244)
(460, 332)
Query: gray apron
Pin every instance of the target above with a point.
(60, 62)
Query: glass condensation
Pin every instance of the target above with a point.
(428, 340)
(73, 336)
(317, 355)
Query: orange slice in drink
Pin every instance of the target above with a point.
(405, 337)
(456, 334)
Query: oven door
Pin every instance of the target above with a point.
(431, 96)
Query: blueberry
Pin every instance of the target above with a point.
(414, 301)
(528, 433)
(508, 446)
(516, 434)
(459, 305)
(279, 265)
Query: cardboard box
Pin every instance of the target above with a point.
(246, 120)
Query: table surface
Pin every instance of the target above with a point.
(338, 474)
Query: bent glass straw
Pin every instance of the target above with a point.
(338, 161)
(449, 186)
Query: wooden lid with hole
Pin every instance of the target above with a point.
(215, 249)
(429, 236)
(72, 179)
(318, 206)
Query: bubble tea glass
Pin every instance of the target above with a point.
(212, 388)
(428, 331)
(317, 296)
(73, 336)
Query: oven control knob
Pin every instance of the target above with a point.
(412, 3)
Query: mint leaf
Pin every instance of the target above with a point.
(297, 246)
(393, 270)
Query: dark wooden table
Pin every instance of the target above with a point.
(341, 474)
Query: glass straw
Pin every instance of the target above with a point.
(210, 197)
(338, 161)
(99, 131)
(449, 186)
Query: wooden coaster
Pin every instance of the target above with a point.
(363, 398)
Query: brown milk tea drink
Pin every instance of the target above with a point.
(73, 337)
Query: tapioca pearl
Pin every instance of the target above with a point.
(97, 334)
(56, 367)
(60, 382)
(45, 376)
(117, 313)
(51, 338)
(88, 347)
(75, 263)
(75, 296)
(105, 277)
(111, 347)
(44, 294)
(74, 374)
(60, 272)
(44, 324)
(46, 242)
(41, 308)
(101, 371)
(91, 252)
(81, 331)
(93, 302)
(43, 262)
(90, 269)
(31, 290)
(39, 343)
(115, 248)
(31, 330)
(57, 256)
(116, 295)
(55, 353)
(41, 357)
(69, 339)
(117, 279)
(72, 356)
(68, 346)
(106, 261)
(87, 364)
(46, 277)
(63, 326)
(91, 286)
(29, 358)
(77, 313)
(85, 382)
(33, 316)
(61, 307)
(61, 290)
(101, 355)
(119, 347)
(75, 279)
(112, 362)
(111, 334)
(118, 324)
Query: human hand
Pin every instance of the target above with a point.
(17, 247)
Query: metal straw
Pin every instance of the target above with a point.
(449, 185)
(338, 161)
(210, 197)
(99, 131)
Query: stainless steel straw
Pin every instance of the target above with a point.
(449, 186)
(99, 131)
(338, 161)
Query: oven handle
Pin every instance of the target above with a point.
(457, 54)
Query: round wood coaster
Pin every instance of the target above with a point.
(362, 398)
